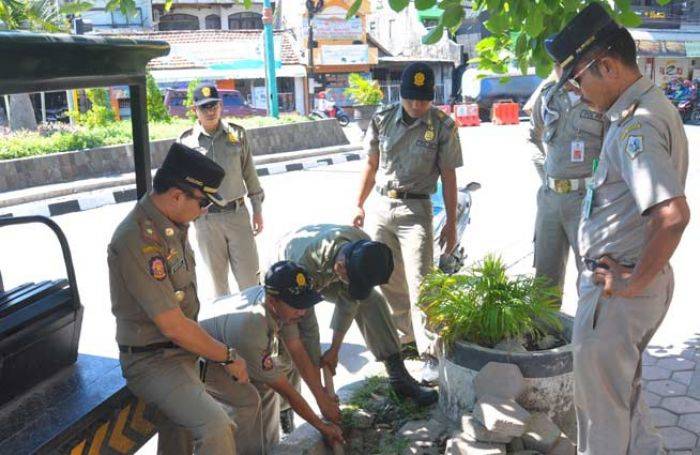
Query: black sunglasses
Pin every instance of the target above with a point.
(203, 201)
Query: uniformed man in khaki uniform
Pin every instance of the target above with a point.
(344, 265)
(633, 216)
(570, 134)
(224, 234)
(153, 290)
(410, 145)
(258, 320)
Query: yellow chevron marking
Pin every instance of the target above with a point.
(119, 441)
(139, 422)
(100, 434)
(78, 450)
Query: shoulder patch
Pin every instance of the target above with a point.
(156, 267)
(629, 129)
(634, 146)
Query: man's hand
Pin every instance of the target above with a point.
(359, 219)
(257, 223)
(332, 434)
(329, 407)
(448, 237)
(330, 359)
(238, 370)
(615, 279)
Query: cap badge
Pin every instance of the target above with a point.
(206, 91)
(301, 280)
(419, 79)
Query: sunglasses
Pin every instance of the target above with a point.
(208, 107)
(574, 81)
(203, 201)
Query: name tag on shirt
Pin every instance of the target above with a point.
(578, 151)
(426, 144)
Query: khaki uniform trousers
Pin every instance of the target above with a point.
(556, 230)
(609, 337)
(189, 418)
(243, 405)
(406, 226)
(226, 239)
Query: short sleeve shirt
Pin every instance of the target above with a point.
(412, 156)
(151, 270)
(252, 331)
(644, 162)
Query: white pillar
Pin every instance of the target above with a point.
(43, 106)
(299, 95)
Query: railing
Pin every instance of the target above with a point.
(392, 93)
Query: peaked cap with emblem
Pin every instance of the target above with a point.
(418, 82)
(290, 283)
(195, 170)
(592, 25)
(205, 94)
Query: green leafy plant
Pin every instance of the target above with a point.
(154, 102)
(364, 91)
(485, 305)
(100, 112)
(189, 101)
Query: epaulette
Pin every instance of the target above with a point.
(629, 112)
(187, 132)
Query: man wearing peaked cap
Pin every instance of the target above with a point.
(154, 300)
(345, 266)
(224, 234)
(409, 146)
(632, 218)
(258, 322)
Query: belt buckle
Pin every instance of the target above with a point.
(393, 194)
(562, 185)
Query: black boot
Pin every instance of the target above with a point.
(403, 384)
(287, 421)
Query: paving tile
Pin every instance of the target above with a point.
(690, 422)
(691, 354)
(652, 399)
(655, 372)
(676, 364)
(677, 438)
(663, 418)
(681, 405)
(666, 388)
(649, 360)
(682, 377)
(680, 452)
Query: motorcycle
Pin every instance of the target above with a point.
(335, 112)
(451, 262)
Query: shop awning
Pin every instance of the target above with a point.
(433, 13)
(661, 48)
(188, 74)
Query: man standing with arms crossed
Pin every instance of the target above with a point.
(225, 235)
(633, 217)
(410, 145)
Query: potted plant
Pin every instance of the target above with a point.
(367, 96)
(483, 315)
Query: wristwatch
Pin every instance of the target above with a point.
(231, 356)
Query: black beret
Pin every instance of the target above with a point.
(368, 264)
(418, 82)
(195, 170)
(290, 283)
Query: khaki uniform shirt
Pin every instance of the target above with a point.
(644, 162)
(555, 124)
(229, 148)
(151, 270)
(315, 248)
(411, 156)
(253, 331)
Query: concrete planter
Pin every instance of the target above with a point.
(363, 115)
(548, 376)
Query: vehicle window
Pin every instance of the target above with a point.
(520, 86)
(232, 99)
(176, 99)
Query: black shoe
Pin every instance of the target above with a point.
(287, 421)
(404, 384)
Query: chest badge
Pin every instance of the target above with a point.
(156, 267)
(635, 146)
(429, 134)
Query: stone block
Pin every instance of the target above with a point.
(541, 434)
(682, 377)
(473, 430)
(501, 415)
(678, 439)
(663, 418)
(502, 380)
(666, 388)
(304, 440)
(681, 405)
(422, 430)
(690, 422)
(421, 448)
(676, 364)
(651, 398)
(362, 419)
(516, 445)
(564, 446)
(655, 372)
(458, 446)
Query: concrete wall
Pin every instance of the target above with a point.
(23, 173)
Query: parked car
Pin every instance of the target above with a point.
(234, 104)
(487, 90)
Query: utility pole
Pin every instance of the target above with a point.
(312, 7)
(269, 39)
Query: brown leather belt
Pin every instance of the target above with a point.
(395, 194)
(147, 348)
(230, 207)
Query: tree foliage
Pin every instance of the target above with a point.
(100, 112)
(189, 101)
(157, 112)
(518, 27)
(364, 91)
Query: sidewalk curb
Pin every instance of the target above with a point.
(27, 195)
(120, 190)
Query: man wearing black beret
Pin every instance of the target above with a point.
(409, 145)
(632, 218)
(154, 299)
